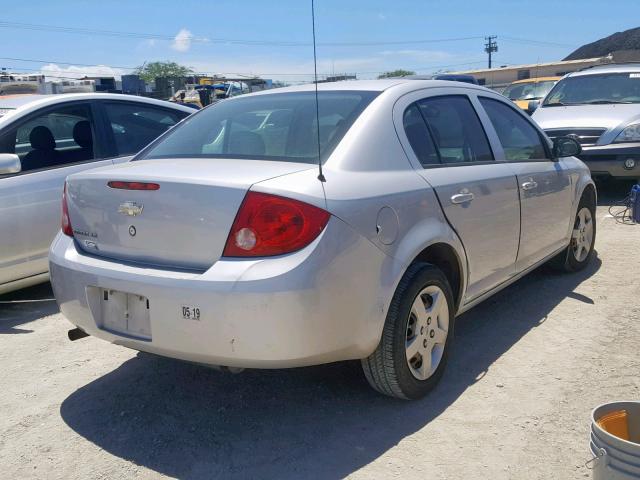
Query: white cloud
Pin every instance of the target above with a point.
(182, 41)
(382, 16)
(56, 72)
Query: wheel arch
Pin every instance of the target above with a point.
(589, 190)
(445, 257)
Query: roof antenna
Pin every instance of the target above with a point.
(315, 78)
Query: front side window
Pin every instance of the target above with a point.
(278, 126)
(520, 140)
(134, 126)
(593, 89)
(456, 129)
(55, 138)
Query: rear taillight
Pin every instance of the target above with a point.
(66, 222)
(268, 225)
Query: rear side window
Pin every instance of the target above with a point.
(419, 137)
(135, 126)
(456, 129)
(520, 140)
(278, 126)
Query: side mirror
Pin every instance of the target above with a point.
(566, 147)
(533, 106)
(9, 163)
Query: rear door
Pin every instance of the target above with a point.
(52, 143)
(131, 126)
(544, 184)
(478, 195)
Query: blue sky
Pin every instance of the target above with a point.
(205, 34)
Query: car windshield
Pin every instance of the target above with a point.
(528, 91)
(596, 89)
(278, 126)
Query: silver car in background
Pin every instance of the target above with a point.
(221, 243)
(599, 107)
(44, 138)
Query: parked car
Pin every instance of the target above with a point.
(600, 107)
(522, 92)
(452, 77)
(221, 243)
(456, 77)
(44, 138)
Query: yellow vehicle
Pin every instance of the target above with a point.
(522, 92)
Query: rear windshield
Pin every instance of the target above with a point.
(596, 89)
(278, 126)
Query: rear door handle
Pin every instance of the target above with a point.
(529, 185)
(462, 198)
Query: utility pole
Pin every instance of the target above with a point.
(491, 46)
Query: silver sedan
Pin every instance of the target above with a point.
(223, 243)
(44, 138)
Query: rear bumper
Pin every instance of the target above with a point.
(609, 160)
(322, 304)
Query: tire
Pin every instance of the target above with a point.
(408, 330)
(580, 250)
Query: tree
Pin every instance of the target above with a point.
(149, 71)
(397, 73)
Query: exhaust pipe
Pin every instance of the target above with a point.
(76, 334)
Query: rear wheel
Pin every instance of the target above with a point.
(583, 236)
(417, 335)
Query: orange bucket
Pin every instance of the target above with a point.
(615, 423)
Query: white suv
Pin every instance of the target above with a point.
(599, 107)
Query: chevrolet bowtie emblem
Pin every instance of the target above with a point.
(131, 209)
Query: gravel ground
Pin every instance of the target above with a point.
(515, 402)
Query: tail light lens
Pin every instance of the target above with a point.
(268, 225)
(66, 222)
(133, 185)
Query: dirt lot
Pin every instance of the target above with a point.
(529, 366)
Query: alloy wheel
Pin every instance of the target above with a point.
(427, 330)
(582, 236)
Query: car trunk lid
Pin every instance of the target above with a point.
(184, 223)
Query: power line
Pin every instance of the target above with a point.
(397, 42)
(206, 40)
(31, 60)
(536, 42)
(283, 43)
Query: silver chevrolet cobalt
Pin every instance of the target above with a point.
(221, 242)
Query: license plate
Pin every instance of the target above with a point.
(125, 313)
(190, 312)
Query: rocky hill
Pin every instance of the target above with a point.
(627, 40)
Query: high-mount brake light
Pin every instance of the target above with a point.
(65, 224)
(268, 225)
(133, 185)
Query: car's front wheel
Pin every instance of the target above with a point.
(583, 237)
(417, 335)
